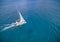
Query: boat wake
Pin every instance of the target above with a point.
(7, 27)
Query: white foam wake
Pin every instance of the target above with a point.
(8, 27)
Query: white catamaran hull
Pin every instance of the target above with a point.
(20, 23)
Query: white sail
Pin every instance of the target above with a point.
(22, 21)
(21, 18)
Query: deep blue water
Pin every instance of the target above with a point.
(42, 16)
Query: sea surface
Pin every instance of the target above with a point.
(42, 17)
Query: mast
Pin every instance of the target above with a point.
(21, 17)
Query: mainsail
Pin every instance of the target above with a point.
(22, 20)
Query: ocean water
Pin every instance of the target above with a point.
(42, 17)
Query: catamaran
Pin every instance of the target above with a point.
(17, 23)
(22, 20)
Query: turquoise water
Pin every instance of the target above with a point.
(42, 18)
